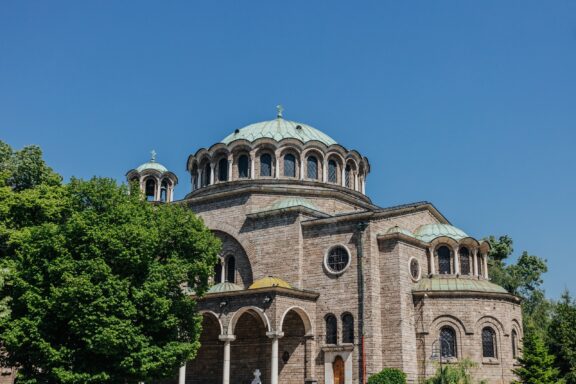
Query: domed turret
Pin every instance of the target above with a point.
(155, 180)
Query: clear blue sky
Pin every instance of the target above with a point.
(468, 104)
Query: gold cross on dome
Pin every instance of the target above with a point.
(280, 109)
(153, 153)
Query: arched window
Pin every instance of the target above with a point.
(265, 165)
(218, 273)
(488, 342)
(289, 165)
(332, 171)
(331, 329)
(150, 189)
(312, 167)
(348, 177)
(206, 175)
(480, 265)
(464, 261)
(223, 169)
(514, 344)
(231, 269)
(164, 191)
(444, 266)
(448, 342)
(243, 167)
(347, 328)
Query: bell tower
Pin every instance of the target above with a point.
(156, 182)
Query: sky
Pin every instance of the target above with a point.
(470, 105)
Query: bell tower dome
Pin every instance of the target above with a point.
(156, 182)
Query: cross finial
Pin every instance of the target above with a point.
(280, 109)
(153, 158)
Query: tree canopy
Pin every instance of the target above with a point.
(537, 364)
(97, 277)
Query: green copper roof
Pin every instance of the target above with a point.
(397, 229)
(152, 165)
(279, 129)
(429, 232)
(224, 287)
(291, 202)
(458, 284)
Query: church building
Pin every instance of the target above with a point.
(316, 284)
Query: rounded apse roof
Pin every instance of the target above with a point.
(429, 232)
(224, 287)
(279, 129)
(269, 281)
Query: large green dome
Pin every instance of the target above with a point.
(279, 129)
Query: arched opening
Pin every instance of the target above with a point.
(194, 174)
(266, 165)
(348, 328)
(488, 342)
(480, 264)
(289, 165)
(464, 254)
(292, 350)
(218, 272)
(348, 176)
(206, 368)
(150, 189)
(250, 350)
(312, 167)
(444, 262)
(332, 171)
(231, 269)
(331, 329)
(338, 370)
(514, 344)
(243, 167)
(223, 169)
(164, 191)
(242, 266)
(448, 345)
(206, 175)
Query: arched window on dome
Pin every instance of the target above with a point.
(347, 328)
(150, 189)
(348, 176)
(444, 262)
(312, 167)
(164, 191)
(464, 254)
(206, 175)
(480, 264)
(289, 165)
(448, 343)
(243, 165)
(218, 273)
(223, 169)
(332, 171)
(488, 342)
(266, 165)
(231, 269)
(331, 329)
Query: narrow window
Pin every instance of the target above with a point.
(150, 189)
(206, 175)
(164, 191)
(312, 167)
(464, 261)
(444, 260)
(348, 176)
(488, 342)
(265, 165)
(218, 273)
(289, 165)
(231, 269)
(223, 170)
(514, 344)
(448, 342)
(194, 178)
(480, 265)
(331, 329)
(347, 328)
(332, 171)
(243, 167)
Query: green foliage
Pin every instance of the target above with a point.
(388, 376)
(562, 338)
(96, 278)
(4, 300)
(459, 373)
(537, 364)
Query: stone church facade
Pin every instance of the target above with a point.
(316, 284)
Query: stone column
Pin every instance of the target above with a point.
(475, 263)
(325, 171)
(355, 187)
(485, 259)
(309, 373)
(302, 168)
(432, 261)
(212, 167)
(182, 375)
(343, 179)
(456, 261)
(252, 164)
(230, 161)
(158, 187)
(227, 339)
(275, 336)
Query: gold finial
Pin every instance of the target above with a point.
(153, 158)
(280, 109)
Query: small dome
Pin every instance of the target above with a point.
(152, 165)
(224, 287)
(429, 232)
(269, 281)
(458, 284)
(279, 129)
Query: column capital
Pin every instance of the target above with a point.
(227, 337)
(275, 334)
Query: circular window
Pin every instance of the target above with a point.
(414, 269)
(337, 259)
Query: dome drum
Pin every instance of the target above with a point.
(155, 181)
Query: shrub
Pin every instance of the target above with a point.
(388, 376)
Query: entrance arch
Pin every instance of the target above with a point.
(206, 368)
(292, 347)
(251, 349)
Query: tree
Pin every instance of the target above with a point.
(563, 337)
(97, 278)
(25, 168)
(537, 364)
(4, 301)
(388, 376)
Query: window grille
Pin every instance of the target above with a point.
(488, 342)
(243, 167)
(444, 266)
(332, 171)
(331, 329)
(448, 342)
(223, 170)
(312, 167)
(347, 328)
(338, 259)
(266, 165)
(464, 261)
(289, 165)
